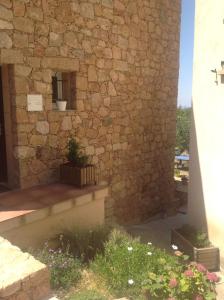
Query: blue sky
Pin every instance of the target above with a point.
(186, 53)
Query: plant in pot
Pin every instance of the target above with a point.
(196, 244)
(77, 171)
(61, 104)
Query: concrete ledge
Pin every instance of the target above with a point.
(83, 209)
(62, 206)
(10, 224)
(96, 193)
(37, 215)
(21, 275)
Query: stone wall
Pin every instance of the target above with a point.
(125, 54)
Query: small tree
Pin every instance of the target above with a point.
(183, 129)
(75, 154)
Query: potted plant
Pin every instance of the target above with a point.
(61, 104)
(197, 245)
(77, 171)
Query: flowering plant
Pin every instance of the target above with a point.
(126, 263)
(191, 281)
(63, 267)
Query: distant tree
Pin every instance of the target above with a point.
(183, 129)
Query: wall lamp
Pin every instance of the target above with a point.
(216, 75)
(220, 73)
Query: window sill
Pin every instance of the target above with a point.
(67, 110)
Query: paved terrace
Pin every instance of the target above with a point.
(23, 202)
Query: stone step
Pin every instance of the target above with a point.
(21, 275)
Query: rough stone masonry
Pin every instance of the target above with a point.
(126, 57)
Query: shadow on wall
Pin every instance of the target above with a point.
(196, 203)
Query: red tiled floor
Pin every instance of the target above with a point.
(20, 202)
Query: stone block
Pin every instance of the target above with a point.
(55, 39)
(23, 24)
(35, 13)
(37, 215)
(22, 152)
(118, 5)
(92, 74)
(10, 224)
(37, 140)
(107, 3)
(101, 193)
(100, 150)
(6, 3)
(42, 127)
(9, 290)
(66, 123)
(70, 39)
(5, 14)
(84, 199)
(90, 150)
(120, 65)
(53, 141)
(111, 89)
(37, 166)
(11, 56)
(122, 43)
(87, 10)
(5, 40)
(21, 87)
(21, 115)
(20, 40)
(19, 8)
(5, 25)
(62, 206)
(34, 62)
(22, 70)
(81, 83)
(61, 63)
(22, 139)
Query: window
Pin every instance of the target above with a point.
(64, 88)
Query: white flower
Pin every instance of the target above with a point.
(149, 253)
(130, 281)
(174, 247)
(130, 249)
(149, 243)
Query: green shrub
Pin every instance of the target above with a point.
(126, 262)
(88, 295)
(197, 237)
(75, 154)
(176, 172)
(133, 269)
(85, 243)
(65, 270)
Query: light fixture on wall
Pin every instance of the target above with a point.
(216, 75)
(220, 73)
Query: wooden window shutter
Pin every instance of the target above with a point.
(54, 88)
(69, 88)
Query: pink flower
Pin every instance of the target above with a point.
(212, 277)
(189, 273)
(201, 268)
(199, 297)
(173, 282)
(171, 298)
